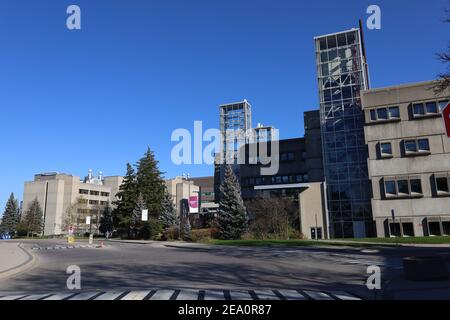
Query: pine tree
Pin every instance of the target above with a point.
(10, 216)
(232, 214)
(150, 183)
(168, 215)
(106, 222)
(126, 203)
(136, 220)
(33, 218)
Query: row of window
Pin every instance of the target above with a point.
(403, 187)
(298, 178)
(93, 192)
(339, 40)
(412, 186)
(410, 147)
(420, 109)
(88, 211)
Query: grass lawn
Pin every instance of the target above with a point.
(341, 242)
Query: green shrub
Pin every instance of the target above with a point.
(151, 229)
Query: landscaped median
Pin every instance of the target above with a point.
(341, 242)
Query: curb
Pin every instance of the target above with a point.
(21, 267)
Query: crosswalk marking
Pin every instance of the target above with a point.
(187, 294)
(240, 295)
(36, 297)
(136, 295)
(318, 295)
(59, 296)
(14, 297)
(292, 295)
(84, 296)
(110, 295)
(266, 295)
(214, 295)
(344, 295)
(162, 295)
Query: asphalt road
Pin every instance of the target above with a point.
(125, 266)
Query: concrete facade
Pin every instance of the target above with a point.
(57, 192)
(409, 159)
(181, 189)
(313, 219)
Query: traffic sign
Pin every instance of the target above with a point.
(446, 115)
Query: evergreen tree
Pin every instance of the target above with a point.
(150, 183)
(33, 218)
(168, 217)
(10, 216)
(136, 220)
(232, 214)
(106, 222)
(126, 203)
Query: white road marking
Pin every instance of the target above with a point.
(317, 295)
(344, 295)
(240, 295)
(266, 295)
(59, 296)
(214, 295)
(136, 295)
(111, 295)
(162, 295)
(188, 295)
(292, 295)
(35, 296)
(15, 297)
(84, 296)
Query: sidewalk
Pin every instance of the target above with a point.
(14, 258)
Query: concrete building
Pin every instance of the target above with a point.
(206, 194)
(57, 192)
(342, 73)
(409, 159)
(300, 178)
(182, 189)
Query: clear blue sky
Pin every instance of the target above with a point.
(96, 98)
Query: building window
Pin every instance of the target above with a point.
(104, 194)
(429, 108)
(94, 193)
(385, 149)
(394, 112)
(93, 202)
(408, 229)
(416, 186)
(384, 114)
(417, 146)
(403, 187)
(289, 156)
(83, 191)
(442, 185)
(390, 188)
